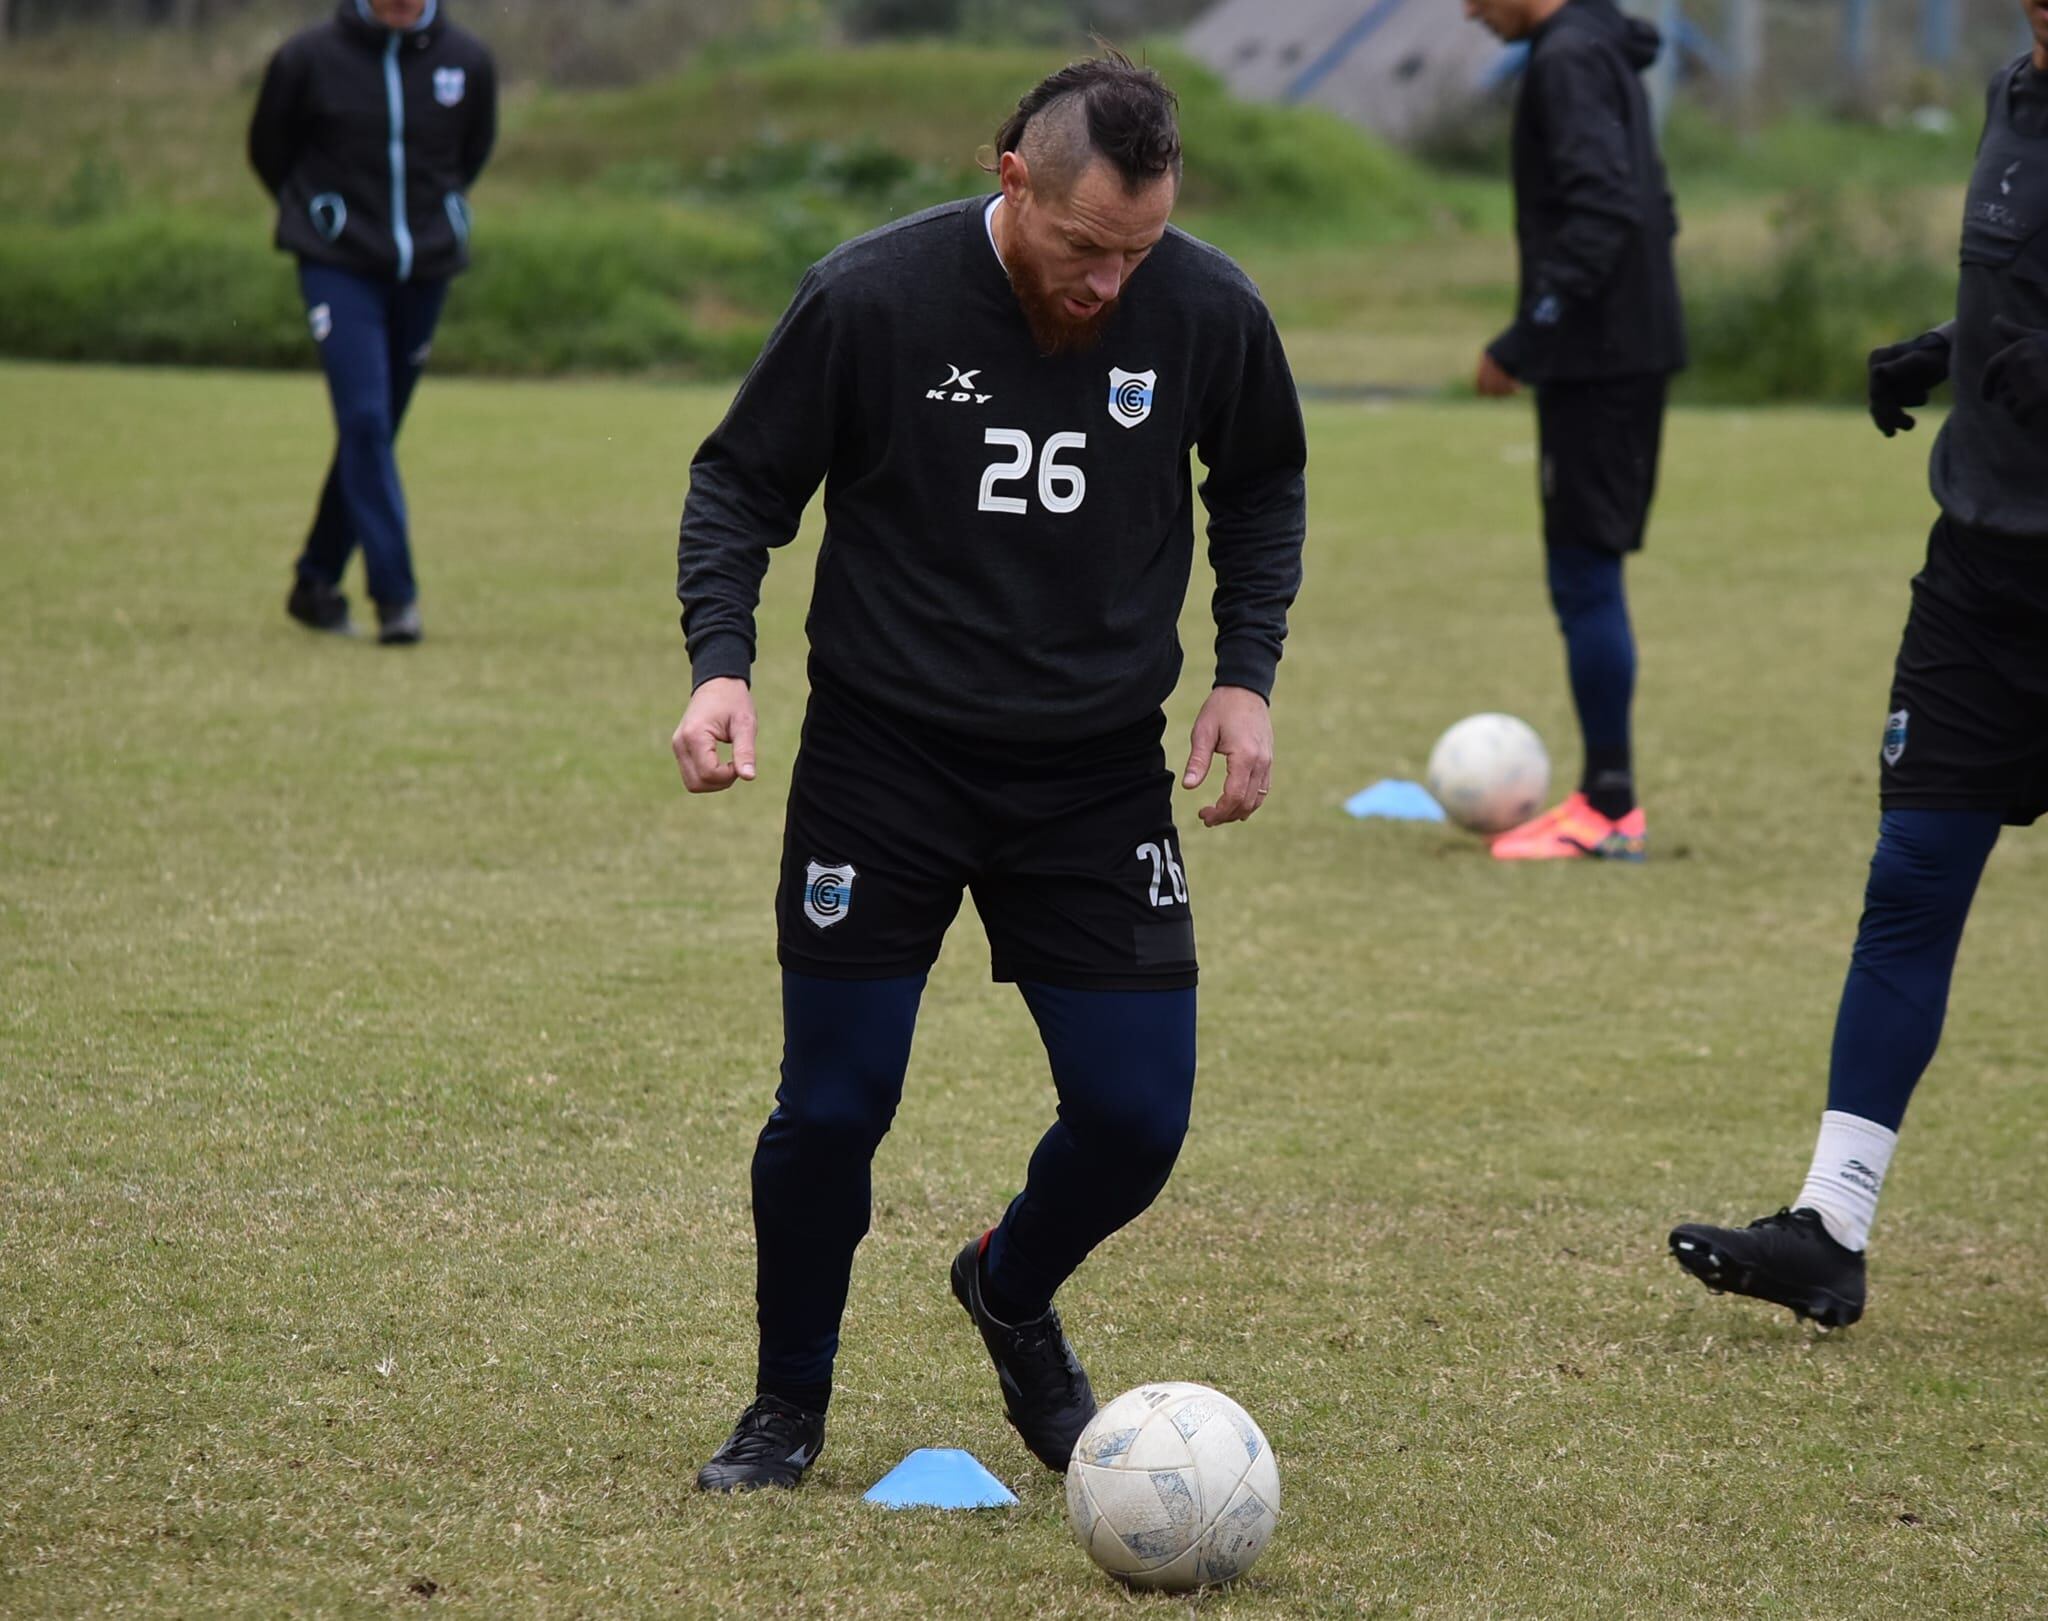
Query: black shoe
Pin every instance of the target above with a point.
(1788, 1259)
(1045, 1388)
(399, 627)
(318, 606)
(772, 1445)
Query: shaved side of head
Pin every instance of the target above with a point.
(1106, 107)
(1056, 145)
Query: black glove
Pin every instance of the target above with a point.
(1903, 374)
(2016, 378)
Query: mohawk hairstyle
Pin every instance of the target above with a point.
(1130, 115)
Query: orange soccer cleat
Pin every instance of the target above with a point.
(1573, 831)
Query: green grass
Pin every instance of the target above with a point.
(384, 1036)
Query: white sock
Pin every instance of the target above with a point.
(1847, 1173)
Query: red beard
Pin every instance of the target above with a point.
(1053, 330)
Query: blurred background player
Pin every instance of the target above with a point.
(1001, 396)
(369, 131)
(1966, 742)
(1597, 333)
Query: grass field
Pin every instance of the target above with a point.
(384, 1035)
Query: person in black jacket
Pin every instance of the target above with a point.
(369, 131)
(1597, 333)
(1003, 397)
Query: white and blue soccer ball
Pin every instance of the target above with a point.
(1172, 1486)
(1489, 772)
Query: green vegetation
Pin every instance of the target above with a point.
(1842, 278)
(561, 289)
(1805, 150)
(385, 1036)
(904, 125)
(662, 226)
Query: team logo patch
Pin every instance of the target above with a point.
(828, 893)
(1894, 736)
(1130, 396)
(321, 319)
(449, 84)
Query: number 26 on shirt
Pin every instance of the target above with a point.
(1061, 485)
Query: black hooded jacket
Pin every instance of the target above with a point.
(369, 139)
(1594, 218)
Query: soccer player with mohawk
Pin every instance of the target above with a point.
(1001, 397)
(1965, 749)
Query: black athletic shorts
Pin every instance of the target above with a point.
(1968, 727)
(1597, 443)
(1069, 850)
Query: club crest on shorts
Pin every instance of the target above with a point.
(449, 83)
(1130, 396)
(828, 893)
(1894, 736)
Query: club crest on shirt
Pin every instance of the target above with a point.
(1894, 736)
(449, 84)
(1130, 396)
(828, 893)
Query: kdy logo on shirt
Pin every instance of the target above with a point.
(958, 388)
(1130, 396)
(449, 84)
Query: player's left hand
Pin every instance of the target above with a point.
(1237, 724)
(2016, 378)
(1494, 381)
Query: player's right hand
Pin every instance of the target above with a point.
(720, 711)
(1905, 374)
(1493, 381)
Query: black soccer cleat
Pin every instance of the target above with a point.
(772, 1445)
(1045, 1389)
(1788, 1259)
(318, 606)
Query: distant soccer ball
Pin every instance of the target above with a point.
(1172, 1486)
(1490, 773)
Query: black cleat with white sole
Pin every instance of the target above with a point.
(1788, 1259)
(400, 626)
(1045, 1389)
(772, 1445)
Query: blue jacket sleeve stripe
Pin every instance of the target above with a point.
(394, 91)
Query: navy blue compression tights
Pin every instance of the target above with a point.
(1922, 880)
(1123, 1064)
(1600, 655)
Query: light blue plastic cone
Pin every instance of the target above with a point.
(940, 1477)
(1400, 801)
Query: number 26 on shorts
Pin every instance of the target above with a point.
(1166, 870)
